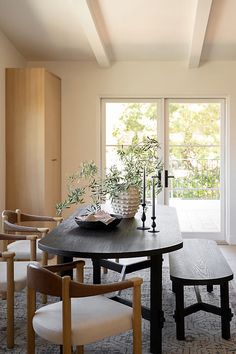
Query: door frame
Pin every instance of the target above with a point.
(224, 235)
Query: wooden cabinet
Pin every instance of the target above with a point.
(33, 140)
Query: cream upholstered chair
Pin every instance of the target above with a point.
(14, 222)
(84, 315)
(13, 277)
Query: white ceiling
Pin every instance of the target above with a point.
(112, 30)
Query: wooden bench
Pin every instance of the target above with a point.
(200, 262)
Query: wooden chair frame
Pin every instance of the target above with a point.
(11, 223)
(9, 295)
(44, 281)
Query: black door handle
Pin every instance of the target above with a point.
(166, 178)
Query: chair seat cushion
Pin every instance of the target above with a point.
(93, 318)
(20, 275)
(21, 249)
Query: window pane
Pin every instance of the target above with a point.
(111, 157)
(124, 121)
(195, 123)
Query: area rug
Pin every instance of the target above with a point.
(203, 330)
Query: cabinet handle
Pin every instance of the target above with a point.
(53, 160)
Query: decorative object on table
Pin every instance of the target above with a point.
(98, 221)
(127, 203)
(86, 181)
(143, 217)
(133, 158)
(153, 217)
(122, 186)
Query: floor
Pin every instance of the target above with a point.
(230, 254)
(197, 215)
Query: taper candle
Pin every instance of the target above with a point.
(144, 186)
(153, 196)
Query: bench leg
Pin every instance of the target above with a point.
(210, 288)
(226, 314)
(173, 286)
(179, 311)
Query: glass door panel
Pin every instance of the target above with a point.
(126, 120)
(194, 158)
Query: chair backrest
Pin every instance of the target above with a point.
(14, 221)
(8, 215)
(21, 217)
(44, 281)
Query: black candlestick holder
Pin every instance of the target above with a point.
(143, 218)
(153, 225)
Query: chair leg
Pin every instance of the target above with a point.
(137, 321)
(10, 302)
(31, 342)
(44, 262)
(31, 307)
(10, 319)
(80, 349)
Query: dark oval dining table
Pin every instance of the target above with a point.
(68, 240)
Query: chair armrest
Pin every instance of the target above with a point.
(63, 267)
(43, 230)
(7, 255)
(58, 219)
(79, 265)
(9, 237)
(21, 228)
(31, 217)
(82, 290)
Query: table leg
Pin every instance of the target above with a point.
(157, 316)
(96, 271)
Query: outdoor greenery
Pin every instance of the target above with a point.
(194, 145)
(87, 181)
(195, 150)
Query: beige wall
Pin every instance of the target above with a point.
(9, 57)
(83, 83)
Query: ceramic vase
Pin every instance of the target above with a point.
(127, 203)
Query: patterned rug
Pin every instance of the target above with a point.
(203, 330)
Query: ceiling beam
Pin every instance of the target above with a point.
(92, 32)
(202, 14)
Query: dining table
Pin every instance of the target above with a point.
(68, 240)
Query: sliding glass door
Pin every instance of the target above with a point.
(191, 135)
